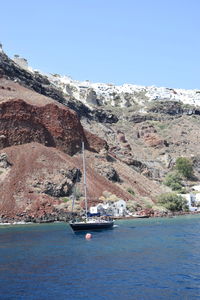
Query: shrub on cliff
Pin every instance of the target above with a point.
(173, 202)
(130, 191)
(65, 199)
(184, 167)
(133, 206)
(174, 181)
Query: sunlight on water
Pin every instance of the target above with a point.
(138, 259)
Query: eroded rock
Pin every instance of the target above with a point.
(4, 163)
(151, 137)
(50, 125)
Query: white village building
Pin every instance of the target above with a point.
(116, 209)
(192, 201)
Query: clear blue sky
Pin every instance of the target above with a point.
(146, 42)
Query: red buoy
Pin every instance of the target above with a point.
(88, 236)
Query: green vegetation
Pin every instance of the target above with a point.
(77, 192)
(133, 206)
(184, 167)
(65, 199)
(130, 191)
(173, 202)
(159, 208)
(188, 106)
(146, 202)
(162, 126)
(195, 119)
(148, 206)
(56, 75)
(174, 181)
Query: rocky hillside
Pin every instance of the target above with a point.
(133, 135)
(33, 118)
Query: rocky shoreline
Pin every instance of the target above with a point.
(163, 215)
(46, 218)
(67, 216)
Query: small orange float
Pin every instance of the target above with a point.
(88, 236)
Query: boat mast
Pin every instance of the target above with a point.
(74, 196)
(73, 202)
(84, 181)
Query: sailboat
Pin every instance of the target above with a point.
(89, 223)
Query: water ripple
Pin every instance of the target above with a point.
(140, 259)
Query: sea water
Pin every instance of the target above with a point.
(138, 259)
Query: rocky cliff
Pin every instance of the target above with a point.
(40, 119)
(42, 84)
(133, 135)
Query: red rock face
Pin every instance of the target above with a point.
(32, 166)
(50, 125)
(94, 143)
(150, 136)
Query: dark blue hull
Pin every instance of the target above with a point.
(91, 226)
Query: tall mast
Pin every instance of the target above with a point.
(84, 181)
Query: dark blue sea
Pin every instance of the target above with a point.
(139, 259)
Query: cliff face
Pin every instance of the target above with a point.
(49, 125)
(133, 136)
(32, 80)
(30, 179)
(35, 177)
(35, 181)
(43, 85)
(40, 119)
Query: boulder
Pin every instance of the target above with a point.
(4, 163)
(111, 174)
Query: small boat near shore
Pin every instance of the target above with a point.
(140, 216)
(89, 223)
